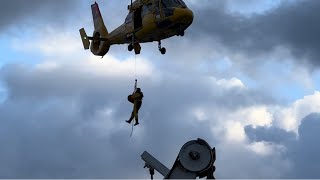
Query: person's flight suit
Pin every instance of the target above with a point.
(136, 99)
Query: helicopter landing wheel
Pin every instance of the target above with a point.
(180, 33)
(163, 50)
(130, 47)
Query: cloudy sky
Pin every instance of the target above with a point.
(245, 77)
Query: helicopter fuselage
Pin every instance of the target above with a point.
(151, 22)
(147, 21)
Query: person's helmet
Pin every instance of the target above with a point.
(138, 90)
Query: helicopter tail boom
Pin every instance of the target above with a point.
(99, 44)
(98, 20)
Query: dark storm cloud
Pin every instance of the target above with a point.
(303, 152)
(18, 13)
(54, 125)
(58, 143)
(23, 83)
(291, 25)
(269, 134)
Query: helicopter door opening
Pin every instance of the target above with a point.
(137, 19)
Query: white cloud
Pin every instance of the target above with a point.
(289, 118)
(233, 83)
(200, 114)
(266, 148)
(49, 42)
(256, 116)
(230, 124)
(234, 131)
(285, 117)
(234, 122)
(108, 66)
(260, 148)
(114, 67)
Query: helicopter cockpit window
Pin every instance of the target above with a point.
(146, 9)
(169, 3)
(181, 3)
(128, 18)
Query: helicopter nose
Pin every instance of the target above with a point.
(183, 16)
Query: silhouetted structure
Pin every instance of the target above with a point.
(195, 159)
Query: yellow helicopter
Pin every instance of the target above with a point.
(147, 21)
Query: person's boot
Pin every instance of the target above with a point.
(136, 123)
(128, 121)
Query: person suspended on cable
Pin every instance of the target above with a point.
(136, 99)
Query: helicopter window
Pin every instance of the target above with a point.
(169, 3)
(146, 9)
(182, 3)
(129, 18)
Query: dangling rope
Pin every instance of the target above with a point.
(135, 87)
(135, 74)
(135, 67)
